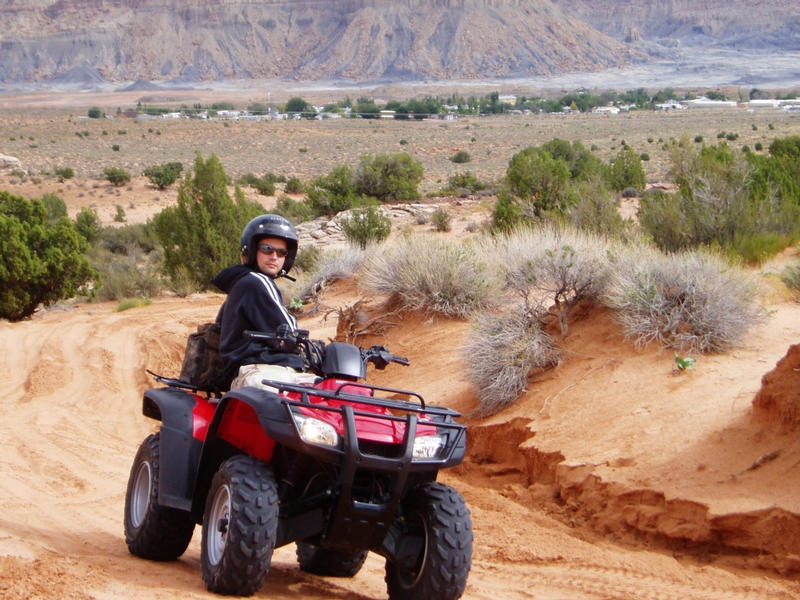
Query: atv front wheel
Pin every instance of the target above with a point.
(240, 527)
(151, 530)
(326, 561)
(434, 552)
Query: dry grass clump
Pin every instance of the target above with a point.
(500, 353)
(330, 266)
(554, 266)
(690, 301)
(432, 274)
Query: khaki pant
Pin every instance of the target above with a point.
(252, 375)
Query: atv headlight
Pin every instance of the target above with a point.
(428, 446)
(314, 431)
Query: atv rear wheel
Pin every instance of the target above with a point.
(435, 549)
(240, 527)
(151, 530)
(326, 561)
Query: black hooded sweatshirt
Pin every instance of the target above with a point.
(254, 302)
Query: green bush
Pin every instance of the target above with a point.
(297, 211)
(539, 179)
(55, 207)
(506, 214)
(626, 171)
(116, 176)
(596, 211)
(364, 226)
(294, 186)
(441, 219)
(88, 224)
(464, 181)
(389, 177)
(500, 352)
(126, 275)
(200, 235)
(95, 113)
(462, 156)
(436, 275)
(164, 175)
(332, 193)
(64, 173)
(42, 262)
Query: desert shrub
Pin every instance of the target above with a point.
(553, 266)
(137, 238)
(435, 275)
(755, 249)
(364, 226)
(94, 112)
(331, 265)
(462, 156)
(389, 177)
(43, 261)
(791, 277)
(690, 301)
(499, 354)
(164, 175)
(596, 211)
(539, 179)
(115, 147)
(582, 163)
(129, 303)
(119, 215)
(333, 192)
(464, 181)
(308, 257)
(201, 232)
(64, 173)
(88, 224)
(294, 186)
(55, 207)
(116, 176)
(626, 171)
(126, 275)
(264, 185)
(506, 214)
(297, 211)
(441, 218)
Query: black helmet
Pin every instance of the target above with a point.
(269, 226)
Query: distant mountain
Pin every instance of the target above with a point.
(752, 25)
(88, 42)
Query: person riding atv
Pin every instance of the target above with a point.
(268, 246)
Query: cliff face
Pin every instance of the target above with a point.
(754, 24)
(88, 41)
(125, 40)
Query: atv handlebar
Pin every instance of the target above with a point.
(287, 340)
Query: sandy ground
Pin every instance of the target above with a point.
(613, 477)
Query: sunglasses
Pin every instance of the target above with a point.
(269, 249)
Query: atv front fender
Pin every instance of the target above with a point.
(179, 450)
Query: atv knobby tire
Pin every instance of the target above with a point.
(436, 523)
(240, 527)
(151, 530)
(329, 562)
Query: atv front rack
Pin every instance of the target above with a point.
(340, 395)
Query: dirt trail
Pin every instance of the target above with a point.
(73, 378)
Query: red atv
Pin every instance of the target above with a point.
(340, 468)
